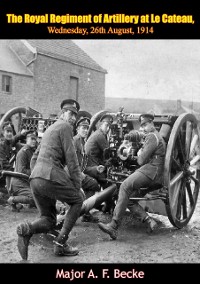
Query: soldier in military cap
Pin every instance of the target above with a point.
(51, 182)
(9, 146)
(95, 146)
(145, 118)
(150, 158)
(107, 118)
(21, 192)
(82, 127)
(66, 105)
(89, 184)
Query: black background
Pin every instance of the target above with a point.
(46, 273)
(84, 7)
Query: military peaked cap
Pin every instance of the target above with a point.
(83, 113)
(85, 121)
(32, 134)
(107, 117)
(8, 126)
(70, 104)
(145, 117)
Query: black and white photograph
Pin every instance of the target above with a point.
(99, 153)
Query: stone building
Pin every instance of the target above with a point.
(41, 73)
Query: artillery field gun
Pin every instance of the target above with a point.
(180, 188)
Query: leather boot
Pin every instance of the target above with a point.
(23, 199)
(151, 224)
(24, 232)
(138, 211)
(108, 207)
(61, 248)
(110, 228)
(15, 206)
(88, 217)
(64, 249)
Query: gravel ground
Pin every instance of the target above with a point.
(166, 245)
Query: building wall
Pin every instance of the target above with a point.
(52, 85)
(22, 92)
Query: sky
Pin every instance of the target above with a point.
(152, 69)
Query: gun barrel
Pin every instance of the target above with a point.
(97, 198)
(14, 174)
(92, 201)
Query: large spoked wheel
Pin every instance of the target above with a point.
(182, 170)
(15, 116)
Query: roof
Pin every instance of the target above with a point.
(65, 50)
(9, 62)
(141, 105)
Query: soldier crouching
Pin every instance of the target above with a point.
(89, 184)
(21, 191)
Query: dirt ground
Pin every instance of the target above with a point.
(166, 245)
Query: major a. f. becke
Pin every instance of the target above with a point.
(71, 274)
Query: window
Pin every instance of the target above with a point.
(73, 88)
(6, 84)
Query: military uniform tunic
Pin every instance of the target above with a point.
(79, 144)
(57, 151)
(7, 150)
(151, 159)
(152, 156)
(22, 165)
(94, 148)
(89, 184)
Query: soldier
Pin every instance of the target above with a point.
(89, 184)
(151, 161)
(9, 146)
(94, 148)
(51, 182)
(21, 192)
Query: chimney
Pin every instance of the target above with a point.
(178, 106)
